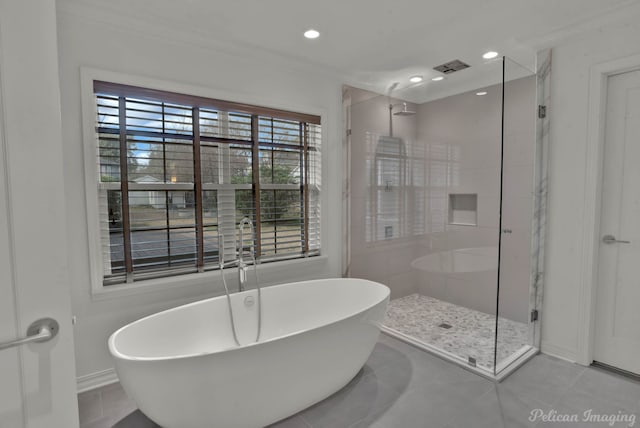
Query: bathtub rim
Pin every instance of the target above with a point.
(119, 355)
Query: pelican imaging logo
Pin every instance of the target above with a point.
(611, 419)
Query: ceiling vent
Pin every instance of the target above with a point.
(451, 66)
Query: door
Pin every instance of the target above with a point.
(617, 340)
(10, 385)
(37, 381)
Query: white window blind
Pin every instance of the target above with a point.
(175, 171)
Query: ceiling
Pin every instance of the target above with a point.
(372, 43)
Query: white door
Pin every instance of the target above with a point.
(10, 382)
(37, 381)
(617, 341)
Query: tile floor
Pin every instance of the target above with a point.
(471, 333)
(403, 387)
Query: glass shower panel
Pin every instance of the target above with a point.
(380, 172)
(424, 210)
(457, 258)
(515, 301)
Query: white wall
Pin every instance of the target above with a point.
(572, 61)
(87, 38)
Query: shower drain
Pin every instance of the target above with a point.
(445, 325)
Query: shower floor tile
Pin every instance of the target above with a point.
(455, 329)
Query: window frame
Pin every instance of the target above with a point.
(89, 111)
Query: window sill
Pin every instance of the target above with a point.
(268, 274)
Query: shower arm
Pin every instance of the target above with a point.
(401, 113)
(391, 107)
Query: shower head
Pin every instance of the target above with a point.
(404, 111)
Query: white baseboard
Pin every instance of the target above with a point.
(558, 351)
(96, 380)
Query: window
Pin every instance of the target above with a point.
(176, 171)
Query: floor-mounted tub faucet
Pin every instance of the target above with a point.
(242, 266)
(242, 276)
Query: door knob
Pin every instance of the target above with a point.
(41, 330)
(610, 239)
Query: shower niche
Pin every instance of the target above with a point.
(463, 209)
(442, 195)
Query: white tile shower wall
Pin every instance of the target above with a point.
(385, 260)
(468, 128)
(457, 144)
(87, 37)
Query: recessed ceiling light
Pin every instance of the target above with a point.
(415, 79)
(437, 78)
(311, 34)
(490, 55)
(481, 93)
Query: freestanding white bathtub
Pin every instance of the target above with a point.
(184, 370)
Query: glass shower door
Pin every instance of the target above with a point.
(424, 209)
(516, 309)
(440, 210)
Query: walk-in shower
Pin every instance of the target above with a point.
(441, 208)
